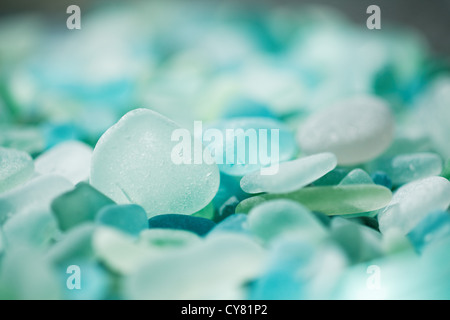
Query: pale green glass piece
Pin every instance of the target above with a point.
(217, 268)
(356, 176)
(73, 245)
(36, 195)
(355, 130)
(27, 139)
(331, 200)
(119, 251)
(132, 163)
(33, 229)
(405, 168)
(413, 201)
(26, 274)
(16, 167)
(71, 160)
(275, 218)
(289, 176)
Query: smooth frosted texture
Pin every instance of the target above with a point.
(36, 195)
(291, 175)
(355, 130)
(331, 200)
(71, 160)
(409, 167)
(16, 167)
(280, 217)
(132, 163)
(241, 163)
(434, 227)
(413, 201)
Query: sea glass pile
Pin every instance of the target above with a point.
(358, 207)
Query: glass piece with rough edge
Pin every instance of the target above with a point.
(331, 200)
(291, 175)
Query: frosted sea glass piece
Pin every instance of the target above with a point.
(16, 167)
(405, 168)
(129, 218)
(71, 160)
(291, 175)
(414, 201)
(36, 195)
(331, 200)
(132, 163)
(355, 130)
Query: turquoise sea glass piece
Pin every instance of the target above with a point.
(129, 218)
(78, 205)
(405, 168)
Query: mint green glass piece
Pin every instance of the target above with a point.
(132, 163)
(26, 274)
(34, 196)
(356, 130)
(405, 168)
(32, 229)
(275, 218)
(71, 160)
(413, 201)
(16, 167)
(289, 176)
(356, 176)
(331, 200)
(73, 245)
(78, 205)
